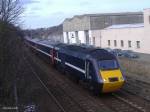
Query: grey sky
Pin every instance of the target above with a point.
(46, 13)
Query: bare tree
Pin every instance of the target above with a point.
(10, 10)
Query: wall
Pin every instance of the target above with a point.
(81, 37)
(97, 35)
(125, 34)
(141, 34)
(102, 21)
(77, 23)
(65, 37)
(82, 23)
(147, 30)
(56, 38)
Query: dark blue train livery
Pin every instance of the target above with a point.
(97, 67)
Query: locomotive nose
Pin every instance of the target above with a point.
(112, 80)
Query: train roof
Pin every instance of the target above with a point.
(82, 51)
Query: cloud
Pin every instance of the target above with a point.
(44, 13)
(27, 2)
(85, 3)
(34, 9)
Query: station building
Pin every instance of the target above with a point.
(127, 31)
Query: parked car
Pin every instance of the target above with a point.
(129, 54)
(108, 49)
(118, 52)
(86, 46)
(111, 51)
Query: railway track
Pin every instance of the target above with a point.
(64, 101)
(130, 103)
(134, 100)
(130, 95)
(138, 87)
(64, 88)
(86, 102)
(71, 99)
(44, 86)
(127, 105)
(119, 104)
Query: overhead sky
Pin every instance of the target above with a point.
(46, 13)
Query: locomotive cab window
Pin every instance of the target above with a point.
(108, 64)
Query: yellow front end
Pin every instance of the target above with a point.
(112, 80)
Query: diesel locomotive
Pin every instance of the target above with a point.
(97, 67)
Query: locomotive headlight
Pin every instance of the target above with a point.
(104, 80)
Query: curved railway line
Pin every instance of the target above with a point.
(63, 91)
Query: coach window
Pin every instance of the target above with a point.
(138, 44)
(115, 43)
(76, 33)
(122, 43)
(108, 42)
(129, 44)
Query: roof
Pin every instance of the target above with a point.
(139, 25)
(82, 52)
(104, 14)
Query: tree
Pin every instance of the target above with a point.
(10, 10)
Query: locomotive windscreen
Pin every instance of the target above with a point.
(108, 64)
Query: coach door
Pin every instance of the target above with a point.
(52, 52)
(87, 69)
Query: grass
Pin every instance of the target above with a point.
(135, 67)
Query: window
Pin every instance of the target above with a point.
(122, 43)
(138, 44)
(108, 42)
(93, 40)
(129, 43)
(86, 32)
(76, 33)
(67, 35)
(72, 35)
(115, 43)
(108, 64)
(149, 19)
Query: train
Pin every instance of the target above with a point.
(98, 68)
